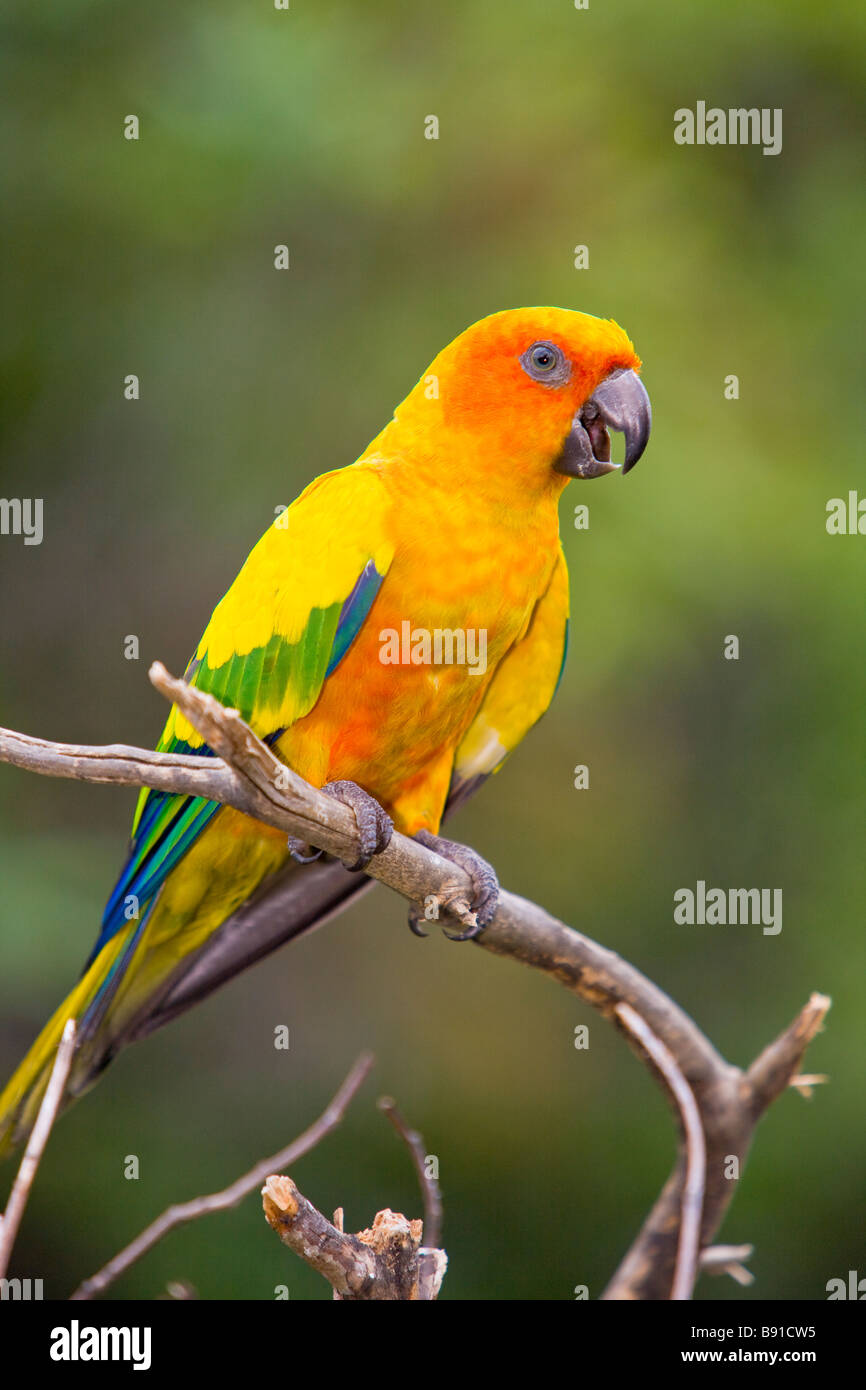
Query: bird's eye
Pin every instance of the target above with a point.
(546, 362)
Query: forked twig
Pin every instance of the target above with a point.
(230, 1196)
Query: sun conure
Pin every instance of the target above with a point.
(447, 523)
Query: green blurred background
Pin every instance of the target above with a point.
(306, 127)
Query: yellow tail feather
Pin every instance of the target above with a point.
(20, 1101)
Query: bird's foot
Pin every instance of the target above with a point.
(485, 889)
(375, 826)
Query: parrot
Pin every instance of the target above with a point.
(447, 522)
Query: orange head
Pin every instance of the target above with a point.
(535, 390)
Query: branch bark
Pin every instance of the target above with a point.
(11, 1218)
(245, 774)
(384, 1263)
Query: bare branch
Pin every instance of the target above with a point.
(11, 1219)
(118, 763)
(230, 1196)
(728, 1259)
(692, 1196)
(774, 1070)
(731, 1103)
(429, 1186)
(383, 1263)
(806, 1083)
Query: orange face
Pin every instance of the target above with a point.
(540, 387)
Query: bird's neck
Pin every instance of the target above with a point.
(506, 482)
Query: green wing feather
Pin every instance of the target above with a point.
(267, 652)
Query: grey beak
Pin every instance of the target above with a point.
(619, 403)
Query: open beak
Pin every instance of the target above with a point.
(619, 403)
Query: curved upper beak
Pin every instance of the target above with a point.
(619, 403)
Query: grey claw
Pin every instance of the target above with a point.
(416, 916)
(296, 850)
(468, 935)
